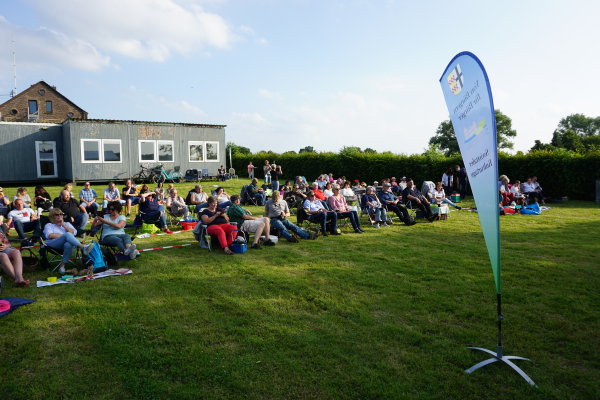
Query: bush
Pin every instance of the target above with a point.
(560, 172)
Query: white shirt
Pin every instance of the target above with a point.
(60, 230)
(23, 215)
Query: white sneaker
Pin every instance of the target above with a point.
(88, 248)
(376, 226)
(134, 255)
(62, 270)
(130, 249)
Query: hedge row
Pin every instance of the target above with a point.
(560, 173)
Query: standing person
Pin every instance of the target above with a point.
(24, 220)
(61, 235)
(251, 168)
(130, 195)
(246, 222)
(412, 194)
(447, 179)
(11, 261)
(113, 230)
(87, 198)
(275, 174)
(75, 212)
(218, 225)
(461, 174)
(278, 212)
(267, 171)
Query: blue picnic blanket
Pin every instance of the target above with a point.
(15, 302)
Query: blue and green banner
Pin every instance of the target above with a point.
(468, 96)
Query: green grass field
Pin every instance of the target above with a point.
(383, 315)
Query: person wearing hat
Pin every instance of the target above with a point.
(392, 203)
(11, 261)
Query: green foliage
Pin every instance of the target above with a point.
(445, 137)
(580, 124)
(235, 149)
(307, 149)
(561, 172)
(575, 132)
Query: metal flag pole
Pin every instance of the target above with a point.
(499, 354)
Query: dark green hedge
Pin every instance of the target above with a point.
(560, 173)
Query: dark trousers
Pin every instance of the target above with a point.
(353, 215)
(400, 211)
(322, 219)
(425, 208)
(32, 226)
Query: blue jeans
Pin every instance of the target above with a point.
(92, 208)
(224, 204)
(120, 240)
(448, 201)
(353, 215)
(65, 242)
(380, 214)
(260, 198)
(80, 222)
(322, 218)
(105, 203)
(275, 185)
(22, 227)
(282, 225)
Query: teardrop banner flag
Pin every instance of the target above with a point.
(469, 99)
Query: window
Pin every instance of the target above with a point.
(100, 150)
(156, 150)
(48, 106)
(33, 106)
(196, 151)
(111, 150)
(70, 115)
(41, 91)
(90, 151)
(212, 151)
(45, 154)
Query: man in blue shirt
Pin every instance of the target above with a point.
(87, 198)
(317, 213)
(389, 199)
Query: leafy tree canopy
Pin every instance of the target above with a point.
(235, 149)
(307, 149)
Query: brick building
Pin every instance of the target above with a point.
(40, 103)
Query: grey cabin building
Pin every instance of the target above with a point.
(103, 150)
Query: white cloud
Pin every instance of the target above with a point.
(166, 109)
(247, 31)
(47, 47)
(142, 29)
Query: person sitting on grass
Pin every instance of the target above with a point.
(278, 212)
(439, 196)
(415, 197)
(337, 202)
(246, 222)
(11, 261)
(176, 204)
(218, 225)
(24, 220)
(518, 195)
(60, 235)
(371, 204)
(318, 213)
(152, 210)
(507, 196)
(113, 230)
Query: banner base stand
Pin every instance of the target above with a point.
(500, 358)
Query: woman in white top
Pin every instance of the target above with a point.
(439, 196)
(223, 198)
(518, 195)
(61, 235)
(328, 192)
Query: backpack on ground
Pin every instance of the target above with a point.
(95, 259)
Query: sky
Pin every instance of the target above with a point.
(285, 74)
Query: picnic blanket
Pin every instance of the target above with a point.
(105, 274)
(14, 302)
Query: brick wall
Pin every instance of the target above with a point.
(16, 109)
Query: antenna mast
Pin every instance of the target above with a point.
(13, 92)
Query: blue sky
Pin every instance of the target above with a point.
(286, 74)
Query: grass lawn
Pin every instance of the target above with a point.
(383, 315)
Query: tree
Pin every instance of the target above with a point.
(235, 149)
(568, 139)
(370, 150)
(307, 149)
(575, 132)
(446, 141)
(541, 146)
(580, 124)
(349, 150)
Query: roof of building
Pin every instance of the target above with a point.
(50, 87)
(117, 121)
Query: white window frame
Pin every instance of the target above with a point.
(140, 150)
(195, 143)
(155, 143)
(206, 153)
(37, 159)
(101, 143)
(172, 143)
(100, 154)
(112, 141)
